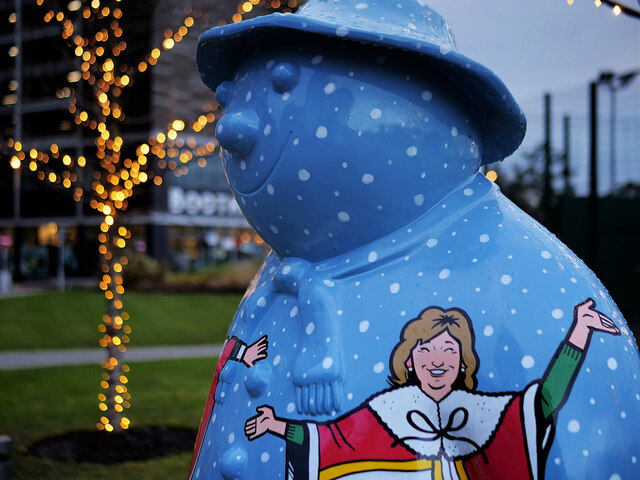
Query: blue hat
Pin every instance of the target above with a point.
(406, 25)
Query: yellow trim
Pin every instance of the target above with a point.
(343, 469)
(462, 473)
(437, 470)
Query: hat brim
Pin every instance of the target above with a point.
(503, 122)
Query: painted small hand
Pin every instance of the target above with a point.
(586, 320)
(256, 352)
(262, 423)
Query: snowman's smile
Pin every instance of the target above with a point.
(267, 175)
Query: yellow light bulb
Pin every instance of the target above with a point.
(617, 10)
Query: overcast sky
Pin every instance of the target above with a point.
(536, 46)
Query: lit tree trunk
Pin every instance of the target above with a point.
(115, 400)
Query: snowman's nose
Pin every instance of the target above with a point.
(237, 131)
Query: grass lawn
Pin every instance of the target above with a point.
(42, 402)
(56, 320)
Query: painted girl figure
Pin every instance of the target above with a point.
(433, 423)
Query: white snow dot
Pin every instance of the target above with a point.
(585, 452)
(361, 6)
(484, 238)
(286, 269)
(270, 189)
(488, 331)
(262, 302)
(394, 287)
(418, 199)
(291, 407)
(293, 312)
(267, 129)
(310, 328)
(367, 178)
(545, 254)
(329, 88)
(327, 362)
(573, 426)
(248, 96)
(467, 192)
(427, 96)
(615, 476)
(364, 326)
(329, 283)
(373, 256)
(378, 367)
(317, 59)
(264, 458)
(342, 31)
(612, 363)
(444, 273)
(557, 313)
(276, 360)
(623, 414)
(376, 113)
(274, 229)
(321, 132)
(432, 242)
(412, 151)
(232, 438)
(527, 361)
(303, 175)
(343, 216)
(454, 132)
(444, 49)
(505, 279)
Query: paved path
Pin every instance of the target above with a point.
(56, 358)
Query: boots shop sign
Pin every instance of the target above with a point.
(193, 202)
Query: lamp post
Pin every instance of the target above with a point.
(615, 83)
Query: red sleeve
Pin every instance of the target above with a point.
(506, 456)
(356, 437)
(204, 421)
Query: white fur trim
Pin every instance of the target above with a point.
(484, 413)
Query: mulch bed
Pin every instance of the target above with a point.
(101, 447)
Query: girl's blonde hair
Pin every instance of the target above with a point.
(431, 322)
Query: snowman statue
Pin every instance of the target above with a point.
(410, 321)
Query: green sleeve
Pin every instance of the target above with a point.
(294, 433)
(559, 378)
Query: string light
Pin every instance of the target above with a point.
(617, 8)
(114, 176)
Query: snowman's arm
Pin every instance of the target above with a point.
(319, 369)
(559, 378)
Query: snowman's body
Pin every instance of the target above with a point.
(359, 169)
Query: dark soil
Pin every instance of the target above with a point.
(101, 447)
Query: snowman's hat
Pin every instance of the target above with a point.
(407, 25)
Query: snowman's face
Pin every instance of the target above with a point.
(328, 146)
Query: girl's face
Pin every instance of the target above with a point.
(437, 364)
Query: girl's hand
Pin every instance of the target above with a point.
(587, 319)
(264, 422)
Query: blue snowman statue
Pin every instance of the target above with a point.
(410, 321)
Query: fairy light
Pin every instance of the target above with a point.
(114, 176)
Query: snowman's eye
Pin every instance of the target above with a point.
(224, 92)
(284, 76)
